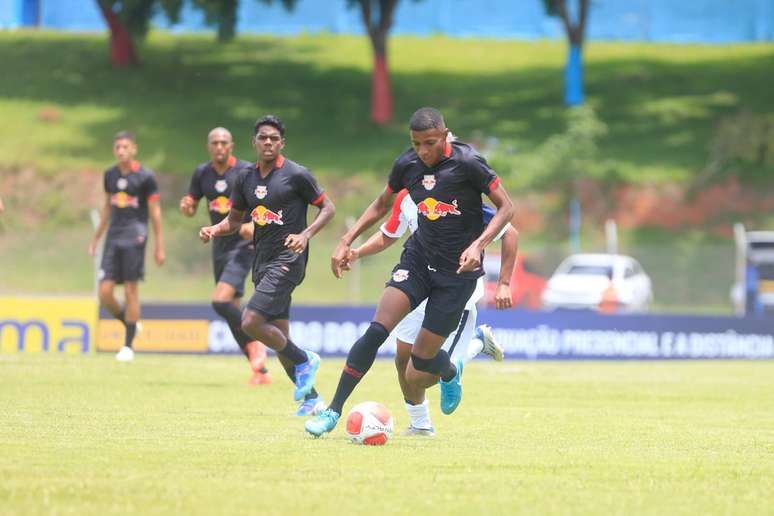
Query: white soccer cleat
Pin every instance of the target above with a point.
(125, 354)
(491, 347)
(418, 432)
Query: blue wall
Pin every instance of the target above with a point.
(709, 21)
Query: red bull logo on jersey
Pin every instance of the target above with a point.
(124, 200)
(262, 215)
(434, 209)
(220, 204)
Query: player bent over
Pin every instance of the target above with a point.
(131, 196)
(440, 262)
(232, 255)
(276, 192)
(467, 340)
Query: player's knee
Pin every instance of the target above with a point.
(420, 364)
(374, 336)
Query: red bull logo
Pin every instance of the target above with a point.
(124, 200)
(220, 204)
(434, 209)
(262, 215)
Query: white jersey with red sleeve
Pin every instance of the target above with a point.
(402, 217)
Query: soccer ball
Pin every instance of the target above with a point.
(369, 423)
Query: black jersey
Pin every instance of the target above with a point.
(276, 203)
(216, 188)
(129, 196)
(448, 199)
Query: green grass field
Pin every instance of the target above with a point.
(184, 434)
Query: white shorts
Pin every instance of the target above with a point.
(457, 342)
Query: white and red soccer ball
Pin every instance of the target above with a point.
(369, 423)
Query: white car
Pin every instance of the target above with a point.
(581, 280)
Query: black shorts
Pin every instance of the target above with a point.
(446, 293)
(274, 283)
(231, 267)
(122, 262)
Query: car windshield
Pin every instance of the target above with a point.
(591, 270)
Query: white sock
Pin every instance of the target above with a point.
(420, 415)
(475, 347)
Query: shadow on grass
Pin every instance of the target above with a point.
(660, 113)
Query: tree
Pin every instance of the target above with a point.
(129, 20)
(223, 14)
(377, 18)
(573, 78)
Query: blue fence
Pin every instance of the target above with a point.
(701, 21)
(331, 331)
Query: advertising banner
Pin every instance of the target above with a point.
(331, 331)
(47, 324)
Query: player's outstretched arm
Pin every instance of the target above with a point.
(375, 212)
(104, 218)
(377, 243)
(470, 259)
(509, 246)
(154, 210)
(299, 242)
(227, 226)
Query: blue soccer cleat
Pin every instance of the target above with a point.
(451, 391)
(305, 374)
(311, 407)
(323, 422)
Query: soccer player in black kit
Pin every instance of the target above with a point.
(440, 262)
(131, 196)
(232, 256)
(276, 192)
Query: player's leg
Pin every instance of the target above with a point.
(271, 302)
(108, 275)
(225, 302)
(393, 306)
(407, 288)
(416, 404)
(131, 266)
(312, 402)
(131, 316)
(108, 299)
(445, 306)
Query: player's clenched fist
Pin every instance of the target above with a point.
(340, 259)
(187, 206)
(470, 260)
(207, 233)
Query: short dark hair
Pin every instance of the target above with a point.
(271, 120)
(124, 135)
(426, 118)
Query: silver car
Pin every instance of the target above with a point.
(583, 280)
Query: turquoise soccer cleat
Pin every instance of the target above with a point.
(311, 407)
(305, 374)
(451, 391)
(323, 422)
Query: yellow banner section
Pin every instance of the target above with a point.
(47, 324)
(179, 335)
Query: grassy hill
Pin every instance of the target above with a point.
(60, 103)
